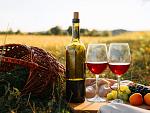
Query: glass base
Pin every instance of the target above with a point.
(96, 99)
(117, 101)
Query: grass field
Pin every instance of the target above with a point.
(139, 43)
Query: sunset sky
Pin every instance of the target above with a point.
(41, 15)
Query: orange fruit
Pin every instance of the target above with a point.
(147, 99)
(136, 99)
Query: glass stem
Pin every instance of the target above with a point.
(118, 86)
(97, 78)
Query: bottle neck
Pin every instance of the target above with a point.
(75, 30)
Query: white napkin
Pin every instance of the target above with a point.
(121, 108)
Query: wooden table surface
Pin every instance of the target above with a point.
(93, 107)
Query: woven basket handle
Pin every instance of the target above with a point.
(30, 65)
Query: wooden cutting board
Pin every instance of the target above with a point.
(93, 107)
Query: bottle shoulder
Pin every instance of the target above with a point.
(75, 45)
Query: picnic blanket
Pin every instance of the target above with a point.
(121, 108)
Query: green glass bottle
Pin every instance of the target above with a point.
(75, 65)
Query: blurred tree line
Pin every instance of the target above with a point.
(10, 31)
(59, 31)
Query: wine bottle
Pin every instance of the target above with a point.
(75, 65)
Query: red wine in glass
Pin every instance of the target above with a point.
(119, 59)
(119, 68)
(96, 67)
(96, 60)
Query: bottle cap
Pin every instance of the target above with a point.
(76, 15)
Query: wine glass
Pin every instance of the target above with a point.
(119, 59)
(96, 60)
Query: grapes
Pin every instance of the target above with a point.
(138, 88)
(114, 94)
(137, 91)
(145, 89)
(109, 96)
(123, 93)
(126, 91)
(148, 91)
(132, 88)
(123, 96)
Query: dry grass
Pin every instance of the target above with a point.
(52, 41)
(138, 41)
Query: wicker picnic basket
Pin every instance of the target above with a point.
(43, 68)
